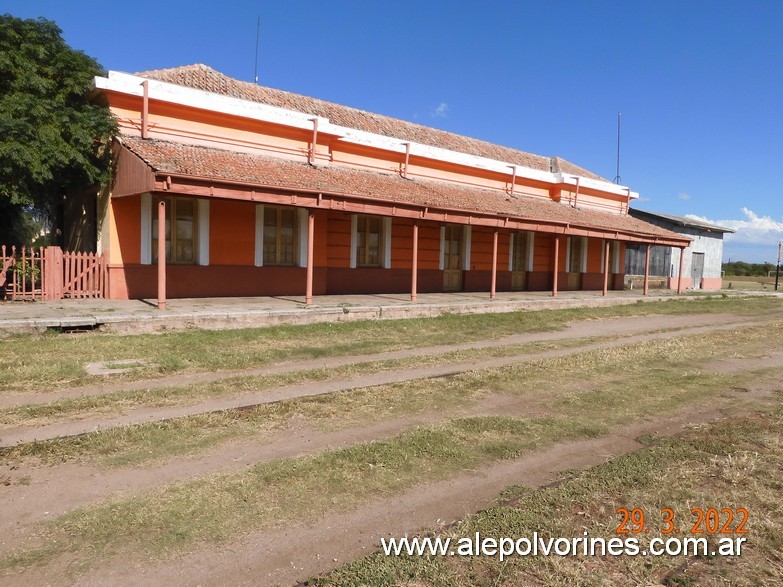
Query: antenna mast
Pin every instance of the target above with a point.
(617, 179)
(258, 32)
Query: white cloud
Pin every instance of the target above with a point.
(683, 196)
(441, 110)
(752, 230)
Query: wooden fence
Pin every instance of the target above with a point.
(47, 273)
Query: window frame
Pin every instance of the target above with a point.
(523, 261)
(364, 254)
(171, 217)
(278, 211)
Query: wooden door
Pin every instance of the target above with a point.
(452, 258)
(519, 261)
(576, 254)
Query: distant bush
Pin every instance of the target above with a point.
(742, 269)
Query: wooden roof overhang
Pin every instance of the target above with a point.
(135, 176)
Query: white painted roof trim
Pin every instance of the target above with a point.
(570, 179)
(368, 139)
(132, 84)
(166, 92)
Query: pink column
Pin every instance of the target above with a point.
(494, 265)
(557, 260)
(161, 255)
(310, 236)
(415, 266)
(606, 268)
(679, 273)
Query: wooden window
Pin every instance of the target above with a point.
(369, 241)
(280, 231)
(181, 245)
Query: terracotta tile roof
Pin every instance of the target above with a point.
(202, 77)
(218, 164)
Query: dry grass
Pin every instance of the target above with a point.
(117, 403)
(222, 508)
(51, 361)
(667, 374)
(732, 464)
(219, 508)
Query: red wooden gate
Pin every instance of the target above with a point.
(49, 274)
(22, 273)
(84, 275)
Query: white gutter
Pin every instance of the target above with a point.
(131, 84)
(570, 179)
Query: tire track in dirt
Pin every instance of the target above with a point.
(55, 490)
(587, 328)
(143, 415)
(286, 556)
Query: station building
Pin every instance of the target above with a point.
(265, 192)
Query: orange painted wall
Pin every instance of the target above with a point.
(232, 232)
(320, 236)
(429, 246)
(338, 239)
(481, 249)
(183, 124)
(191, 125)
(125, 237)
(594, 255)
(402, 243)
(543, 246)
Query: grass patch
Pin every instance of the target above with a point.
(21, 367)
(118, 402)
(148, 443)
(731, 464)
(220, 508)
(596, 384)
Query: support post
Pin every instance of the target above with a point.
(576, 193)
(494, 264)
(415, 265)
(556, 263)
(646, 270)
(607, 248)
(310, 238)
(311, 158)
(145, 109)
(162, 255)
(679, 273)
(53, 273)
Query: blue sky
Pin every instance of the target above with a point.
(699, 84)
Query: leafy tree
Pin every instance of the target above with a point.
(52, 139)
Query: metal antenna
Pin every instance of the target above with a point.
(617, 179)
(258, 33)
